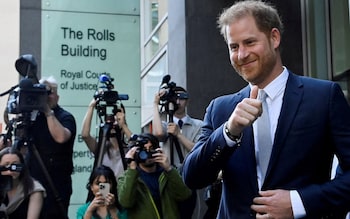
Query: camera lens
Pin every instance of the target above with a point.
(143, 155)
(102, 186)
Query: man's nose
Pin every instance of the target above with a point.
(242, 53)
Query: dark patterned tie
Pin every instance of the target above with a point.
(180, 123)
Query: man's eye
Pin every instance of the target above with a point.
(233, 47)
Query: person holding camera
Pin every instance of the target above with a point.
(179, 136)
(119, 131)
(103, 203)
(25, 197)
(150, 187)
(184, 128)
(53, 133)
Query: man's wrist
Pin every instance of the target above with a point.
(168, 169)
(129, 160)
(232, 137)
(131, 163)
(50, 113)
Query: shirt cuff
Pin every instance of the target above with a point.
(229, 142)
(297, 205)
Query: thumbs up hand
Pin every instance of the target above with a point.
(245, 113)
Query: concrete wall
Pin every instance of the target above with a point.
(9, 47)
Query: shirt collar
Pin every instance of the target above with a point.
(176, 120)
(277, 85)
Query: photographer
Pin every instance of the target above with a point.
(112, 157)
(53, 135)
(26, 195)
(185, 136)
(150, 187)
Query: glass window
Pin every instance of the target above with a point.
(315, 36)
(150, 84)
(340, 35)
(154, 37)
(157, 41)
(154, 11)
(155, 28)
(339, 43)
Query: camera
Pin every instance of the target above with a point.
(142, 154)
(12, 167)
(27, 96)
(107, 97)
(170, 95)
(107, 94)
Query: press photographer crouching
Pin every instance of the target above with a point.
(149, 172)
(22, 196)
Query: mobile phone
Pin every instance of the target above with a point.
(104, 189)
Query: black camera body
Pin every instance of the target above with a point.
(168, 100)
(107, 94)
(34, 98)
(110, 96)
(170, 95)
(107, 97)
(141, 154)
(29, 94)
(27, 98)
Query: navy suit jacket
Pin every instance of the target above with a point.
(314, 124)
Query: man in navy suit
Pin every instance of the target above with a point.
(309, 124)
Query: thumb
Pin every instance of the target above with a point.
(254, 92)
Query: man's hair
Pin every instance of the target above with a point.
(50, 81)
(153, 139)
(265, 15)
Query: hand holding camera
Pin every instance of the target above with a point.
(130, 158)
(161, 158)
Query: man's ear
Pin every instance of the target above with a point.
(275, 37)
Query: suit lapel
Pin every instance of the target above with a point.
(291, 100)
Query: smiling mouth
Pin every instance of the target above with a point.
(246, 63)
